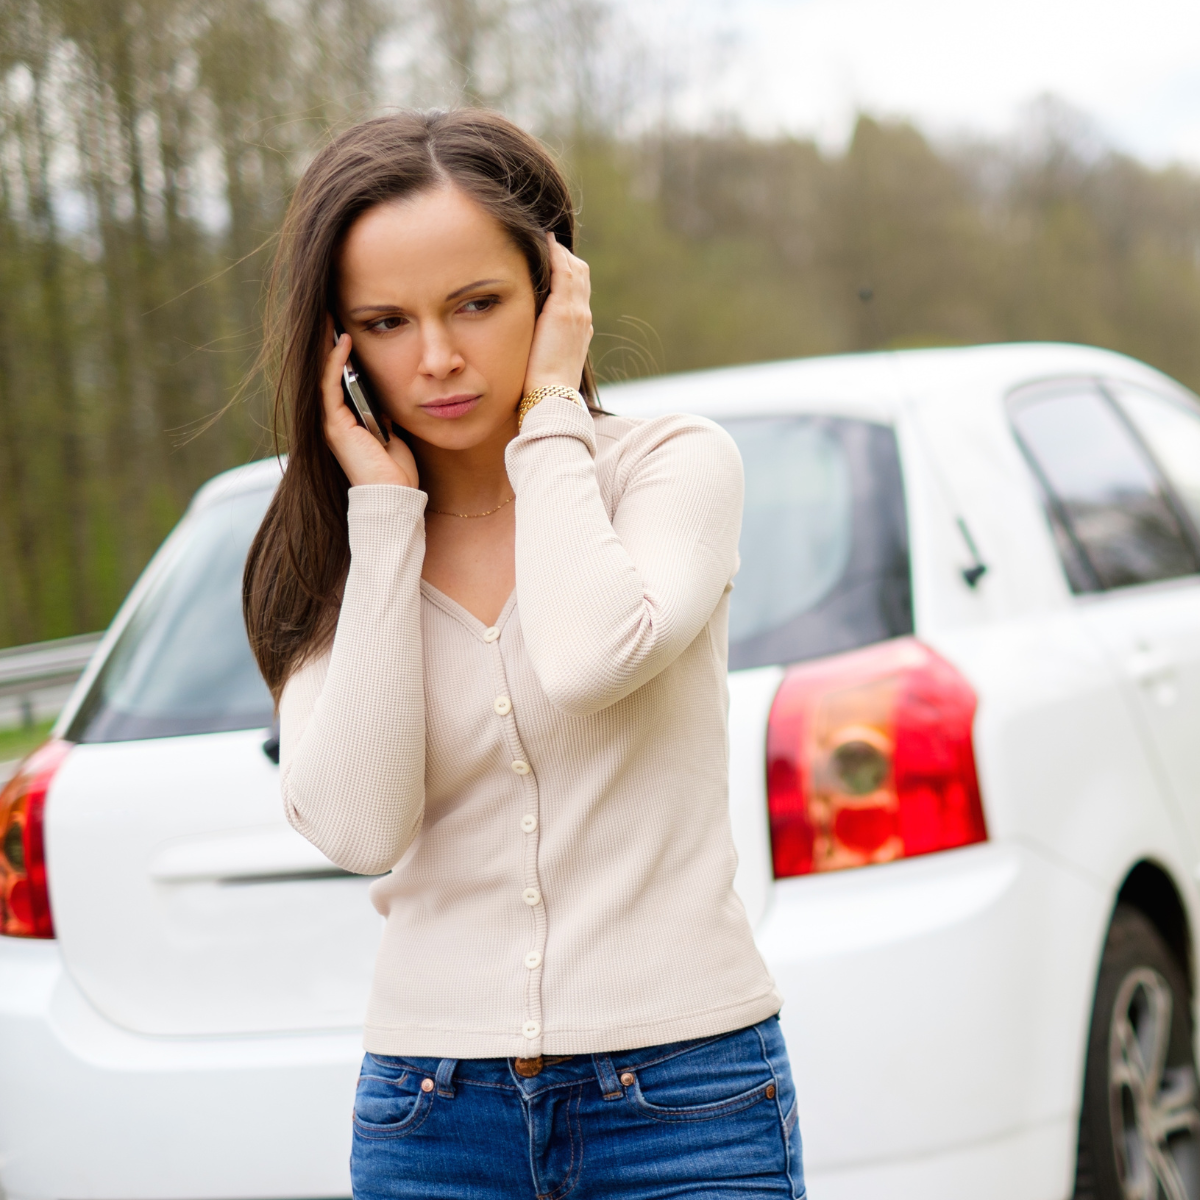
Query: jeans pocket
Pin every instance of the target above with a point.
(390, 1100)
(715, 1078)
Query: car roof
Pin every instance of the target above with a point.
(872, 386)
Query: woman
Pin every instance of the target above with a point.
(498, 646)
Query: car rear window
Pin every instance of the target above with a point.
(183, 663)
(824, 544)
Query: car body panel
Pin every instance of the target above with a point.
(751, 694)
(1151, 637)
(929, 1002)
(217, 917)
(90, 1110)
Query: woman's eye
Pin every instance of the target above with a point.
(482, 304)
(386, 323)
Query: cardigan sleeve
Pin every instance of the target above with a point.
(352, 722)
(607, 604)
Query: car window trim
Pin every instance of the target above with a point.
(1190, 531)
(1150, 587)
(1058, 513)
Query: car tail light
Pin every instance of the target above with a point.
(869, 759)
(24, 891)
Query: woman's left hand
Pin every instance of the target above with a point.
(564, 326)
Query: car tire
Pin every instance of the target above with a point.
(1139, 1126)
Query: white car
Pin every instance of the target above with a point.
(965, 769)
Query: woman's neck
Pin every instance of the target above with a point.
(470, 480)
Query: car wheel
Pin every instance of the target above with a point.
(1139, 1128)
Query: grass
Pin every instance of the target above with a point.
(16, 743)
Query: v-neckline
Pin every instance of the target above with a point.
(464, 615)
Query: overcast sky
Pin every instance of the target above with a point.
(807, 66)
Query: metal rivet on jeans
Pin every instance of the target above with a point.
(770, 1091)
(627, 1079)
(427, 1085)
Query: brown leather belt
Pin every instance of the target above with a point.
(527, 1068)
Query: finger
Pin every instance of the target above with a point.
(573, 258)
(554, 242)
(335, 360)
(567, 256)
(560, 258)
(572, 271)
(331, 377)
(401, 454)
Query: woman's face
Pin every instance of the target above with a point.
(439, 304)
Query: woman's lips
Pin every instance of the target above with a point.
(450, 406)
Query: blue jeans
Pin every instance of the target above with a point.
(707, 1119)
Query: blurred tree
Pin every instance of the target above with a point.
(147, 148)
(748, 249)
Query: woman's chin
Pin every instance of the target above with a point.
(472, 429)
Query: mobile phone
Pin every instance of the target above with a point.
(356, 392)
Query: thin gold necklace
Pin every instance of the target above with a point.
(439, 512)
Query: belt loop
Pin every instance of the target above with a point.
(445, 1077)
(610, 1085)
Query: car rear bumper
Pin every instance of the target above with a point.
(88, 1110)
(936, 1015)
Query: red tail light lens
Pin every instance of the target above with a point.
(869, 759)
(24, 891)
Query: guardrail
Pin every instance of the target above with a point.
(25, 670)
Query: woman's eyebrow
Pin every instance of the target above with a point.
(370, 308)
(470, 287)
(454, 295)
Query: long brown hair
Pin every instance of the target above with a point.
(297, 564)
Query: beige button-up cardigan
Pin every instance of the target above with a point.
(548, 795)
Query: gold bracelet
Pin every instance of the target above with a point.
(540, 394)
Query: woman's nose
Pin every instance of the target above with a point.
(439, 355)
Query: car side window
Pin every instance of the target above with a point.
(1170, 426)
(1113, 519)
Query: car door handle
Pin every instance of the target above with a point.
(1156, 673)
(1146, 665)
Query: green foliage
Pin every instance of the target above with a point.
(16, 743)
(147, 148)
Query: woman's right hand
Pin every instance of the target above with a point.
(358, 451)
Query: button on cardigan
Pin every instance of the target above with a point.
(548, 795)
